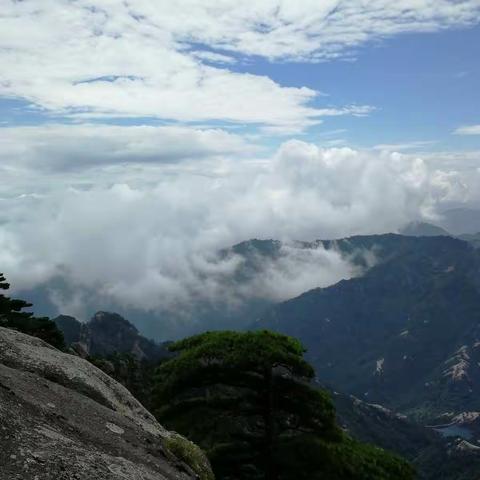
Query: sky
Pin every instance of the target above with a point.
(138, 137)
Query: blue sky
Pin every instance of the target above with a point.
(423, 86)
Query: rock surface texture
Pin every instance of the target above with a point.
(61, 418)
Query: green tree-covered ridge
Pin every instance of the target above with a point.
(247, 399)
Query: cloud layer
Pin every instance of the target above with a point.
(146, 234)
(176, 60)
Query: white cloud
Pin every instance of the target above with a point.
(295, 271)
(279, 29)
(468, 130)
(142, 58)
(399, 147)
(58, 147)
(213, 57)
(145, 234)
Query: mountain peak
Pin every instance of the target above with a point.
(108, 333)
(111, 320)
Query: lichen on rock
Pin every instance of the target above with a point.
(190, 453)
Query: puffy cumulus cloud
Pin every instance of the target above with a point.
(148, 236)
(173, 60)
(347, 191)
(455, 176)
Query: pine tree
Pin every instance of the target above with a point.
(247, 399)
(12, 316)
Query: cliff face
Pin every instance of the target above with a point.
(61, 418)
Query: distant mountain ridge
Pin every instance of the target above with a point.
(108, 333)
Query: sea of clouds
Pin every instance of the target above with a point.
(137, 216)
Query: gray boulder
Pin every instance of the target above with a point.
(61, 418)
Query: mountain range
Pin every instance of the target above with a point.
(405, 334)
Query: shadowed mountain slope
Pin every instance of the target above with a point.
(406, 334)
(108, 333)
